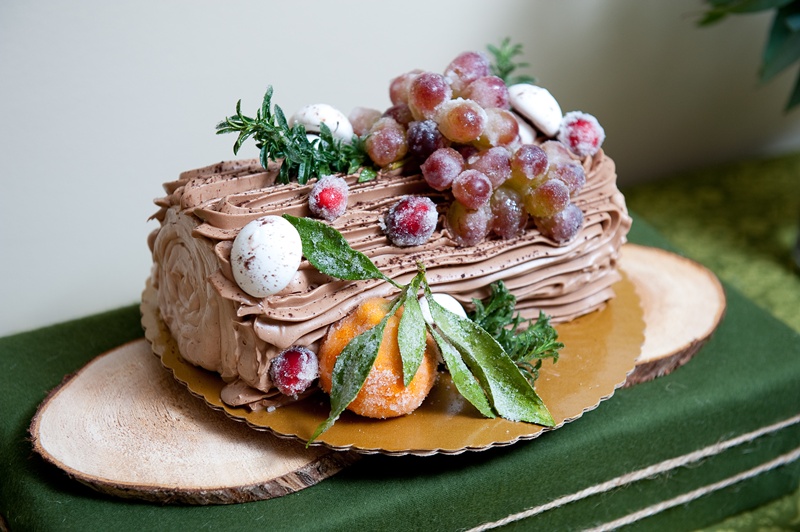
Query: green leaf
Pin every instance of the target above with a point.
(792, 22)
(329, 252)
(411, 333)
(783, 45)
(463, 379)
(266, 103)
(511, 395)
(351, 369)
(280, 118)
(367, 174)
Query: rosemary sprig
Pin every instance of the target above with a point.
(504, 63)
(302, 159)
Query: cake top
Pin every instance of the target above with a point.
(497, 143)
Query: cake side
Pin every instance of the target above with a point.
(221, 328)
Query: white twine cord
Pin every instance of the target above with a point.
(696, 494)
(659, 468)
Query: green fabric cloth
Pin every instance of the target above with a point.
(745, 378)
(741, 220)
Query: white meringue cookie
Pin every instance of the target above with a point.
(537, 105)
(266, 255)
(527, 135)
(445, 300)
(311, 116)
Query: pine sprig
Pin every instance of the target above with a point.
(526, 342)
(302, 159)
(504, 64)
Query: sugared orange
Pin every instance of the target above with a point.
(383, 394)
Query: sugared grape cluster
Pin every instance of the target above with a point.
(459, 128)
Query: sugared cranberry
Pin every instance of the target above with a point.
(411, 221)
(293, 370)
(328, 198)
(581, 133)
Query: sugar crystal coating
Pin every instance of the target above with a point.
(466, 68)
(563, 226)
(442, 167)
(293, 370)
(472, 188)
(328, 197)
(488, 92)
(467, 227)
(424, 138)
(411, 221)
(581, 133)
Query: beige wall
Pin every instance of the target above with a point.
(103, 101)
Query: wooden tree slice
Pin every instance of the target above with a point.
(124, 426)
(683, 303)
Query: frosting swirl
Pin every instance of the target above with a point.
(221, 328)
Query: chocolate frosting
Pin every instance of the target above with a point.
(221, 328)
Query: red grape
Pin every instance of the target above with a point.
(427, 93)
(528, 167)
(495, 163)
(461, 120)
(466, 68)
(401, 114)
(386, 142)
(562, 226)
(362, 119)
(547, 199)
(467, 227)
(571, 174)
(472, 188)
(488, 92)
(424, 138)
(509, 217)
(502, 129)
(398, 88)
(442, 167)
